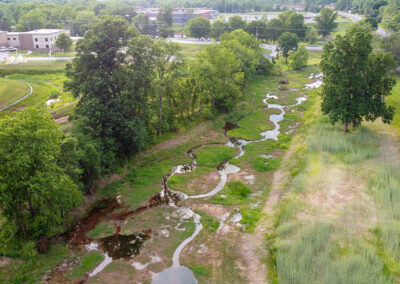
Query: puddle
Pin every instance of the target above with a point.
(124, 246)
(174, 275)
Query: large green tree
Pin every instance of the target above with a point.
(287, 42)
(64, 42)
(356, 80)
(35, 193)
(218, 28)
(199, 27)
(326, 21)
(101, 77)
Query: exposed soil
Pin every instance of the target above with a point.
(19, 109)
(62, 119)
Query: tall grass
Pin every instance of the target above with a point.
(357, 146)
(315, 256)
(386, 189)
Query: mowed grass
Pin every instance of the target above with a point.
(213, 156)
(11, 90)
(33, 67)
(191, 49)
(250, 127)
(45, 86)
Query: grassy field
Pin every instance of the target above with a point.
(33, 67)
(11, 90)
(191, 49)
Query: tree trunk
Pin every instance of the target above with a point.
(346, 127)
(160, 98)
(213, 103)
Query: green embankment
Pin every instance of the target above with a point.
(11, 90)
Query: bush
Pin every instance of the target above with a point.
(235, 193)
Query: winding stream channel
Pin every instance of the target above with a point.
(178, 273)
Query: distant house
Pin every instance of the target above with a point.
(37, 40)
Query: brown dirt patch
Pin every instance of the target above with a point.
(19, 109)
(202, 184)
(108, 180)
(213, 210)
(62, 119)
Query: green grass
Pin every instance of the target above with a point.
(359, 145)
(179, 182)
(210, 224)
(200, 270)
(313, 255)
(285, 97)
(213, 156)
(262, 164)
(394, 101)
(250, 127)
(88, 264)
(250, 217)
(11, 90)
(101, 230)
(191, 49)
(233, 193)
(34, 67)
(386, 189)
(30, 271)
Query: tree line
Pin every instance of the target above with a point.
(131, 89)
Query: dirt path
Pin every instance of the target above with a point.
(253, 248)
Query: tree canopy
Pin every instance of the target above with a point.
(35, 193)
(288, 41)
(199, 27)
(326, 21)
(64, 42)
(356, 80)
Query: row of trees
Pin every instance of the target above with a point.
(131, 88)
(288, 21)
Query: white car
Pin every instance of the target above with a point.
(3, 49)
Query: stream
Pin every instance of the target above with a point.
(177, 273)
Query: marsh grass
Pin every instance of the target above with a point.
(386, 189)
(358, 146)
(314, 255)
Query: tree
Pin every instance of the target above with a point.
(295, 24)
(356, 80)
(326, 21)
(257, 28)
(299, 58)
(35, 193)
(168, 59)
(288, 41)
(84, 21)
(141, 22)
(32, 20)
(218, 28)
(64, 42)
(199, 27)
(108, 88)
(164, 16)
(391, 44)
(236, 23)
(312, 35)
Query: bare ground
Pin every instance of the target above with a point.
(252, 248)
